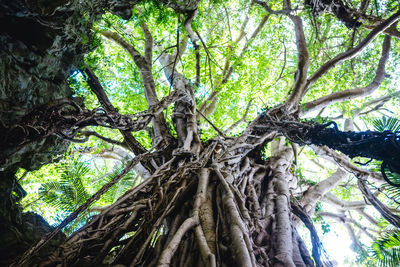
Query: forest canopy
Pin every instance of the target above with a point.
(225, 133)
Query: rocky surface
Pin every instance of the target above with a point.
(41, 43)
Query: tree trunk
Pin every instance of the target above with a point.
(214, 210)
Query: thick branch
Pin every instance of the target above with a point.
(316, 192)
(353, 51)
(357, 92)
(148, 43)
(141, 62)
(303, 62)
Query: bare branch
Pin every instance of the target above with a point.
(212, 124)
(378, 102)
(342, 204)
(356, 92)
(347, 220)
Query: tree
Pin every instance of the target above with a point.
(220, 190)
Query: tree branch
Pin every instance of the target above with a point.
(242, 119)
(99, 91)
(205, 107)
(383, 210)
(148, 43)
(353, 51)
(356, 92)
(303, 61)
(144, 63)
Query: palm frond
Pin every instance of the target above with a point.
(385, 251)
(69, 192)
(386, 124)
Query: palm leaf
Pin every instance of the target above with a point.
(385, 251)
(386, 124)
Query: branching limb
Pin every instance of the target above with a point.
(356, 92)
(87, 134)
(341, 217)
(205, 107)
(353, 51)
(378, 102)
(303, 61)
(242, 119)
(144, 63)
(383, 210)
(99, 91)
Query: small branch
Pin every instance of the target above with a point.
(212, 124)
(347, 220)
(106, 139)
(208, 105)
(383, 210)
(242, 119)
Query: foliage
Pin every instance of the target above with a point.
(385, 251)
(386, 124)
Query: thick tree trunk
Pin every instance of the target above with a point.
(217, 209)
